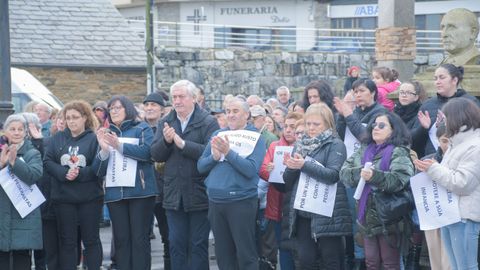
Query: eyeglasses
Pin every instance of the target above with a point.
(115, 108)
(98, 109)
(380, 125)
(73, 118)
(407, 93)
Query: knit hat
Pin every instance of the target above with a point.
(155, 97)
(351, 69)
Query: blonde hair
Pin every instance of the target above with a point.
(322, 110)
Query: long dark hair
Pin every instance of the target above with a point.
(324, 90)
(400, 134)
(130, 111)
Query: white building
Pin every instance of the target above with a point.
(296, 22)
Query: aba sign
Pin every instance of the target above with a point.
(366, 10)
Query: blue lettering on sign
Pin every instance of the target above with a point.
(367, 10)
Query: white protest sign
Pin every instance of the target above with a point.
(24, 198)
(276, 175)
(121, 170)
(241, 141)
(436, 206)
(432, 134)
(313, 196)
(351, 142)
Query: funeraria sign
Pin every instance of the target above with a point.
(256, 11)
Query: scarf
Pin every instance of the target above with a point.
(307, 145)
(373, 150)
(407, 112)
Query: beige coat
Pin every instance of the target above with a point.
(460, 172)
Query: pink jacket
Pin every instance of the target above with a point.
(384, 90)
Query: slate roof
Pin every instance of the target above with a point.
(72, 33)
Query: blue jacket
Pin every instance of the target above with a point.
(145, 185)
(235, 178)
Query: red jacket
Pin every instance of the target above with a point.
(273, 211)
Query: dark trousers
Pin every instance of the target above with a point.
(286, 255)
(71, 218)
(378, 253)
(233, 225)
(131, 220)
(161, 217)
(188, 236)
(51, 244)
(15, 260)
(328, 250)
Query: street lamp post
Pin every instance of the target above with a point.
(150, 47)
(6, 106)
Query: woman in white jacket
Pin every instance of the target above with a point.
(459, 172)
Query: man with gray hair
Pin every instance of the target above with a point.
(44, 112)
(283, 96)
(179, 141)
(254, 100)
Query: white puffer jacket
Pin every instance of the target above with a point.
(459, 172)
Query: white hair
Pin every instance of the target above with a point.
(190, 87)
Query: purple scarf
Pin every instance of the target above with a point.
(373, 150)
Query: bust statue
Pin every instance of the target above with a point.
(459, 31)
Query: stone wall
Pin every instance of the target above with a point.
(91, 84)
(223, 71)
(218, 71)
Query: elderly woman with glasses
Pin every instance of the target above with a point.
(18, 236)
(387, 149)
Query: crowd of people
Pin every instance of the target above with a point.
(243, 172)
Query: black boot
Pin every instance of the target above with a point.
(166, 256)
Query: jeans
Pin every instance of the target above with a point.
(286, 257)
(461, 243)
(358, 250)
(19, 259)
(188, 239)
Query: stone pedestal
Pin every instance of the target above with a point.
(470, 83)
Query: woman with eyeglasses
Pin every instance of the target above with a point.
(459, 172)
(387, 148)
(76, 188)
(18, 236)
(447, 80)
(411, 94)
(319, 238)
(130, 207)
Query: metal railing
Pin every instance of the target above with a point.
(194, 35)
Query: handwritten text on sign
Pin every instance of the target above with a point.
(436, 206)
(23, 197)
(121, 170)
(313, 196)
(276, 175)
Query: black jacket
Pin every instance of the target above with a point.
(356, 120)
(88, 185)
(331, 154)
(183, 184)
(420, 138)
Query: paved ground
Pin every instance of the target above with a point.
(157, 250)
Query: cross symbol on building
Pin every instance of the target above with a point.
(196, 19)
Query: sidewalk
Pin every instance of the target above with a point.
(157, 250)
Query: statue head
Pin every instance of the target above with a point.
(459, 31)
